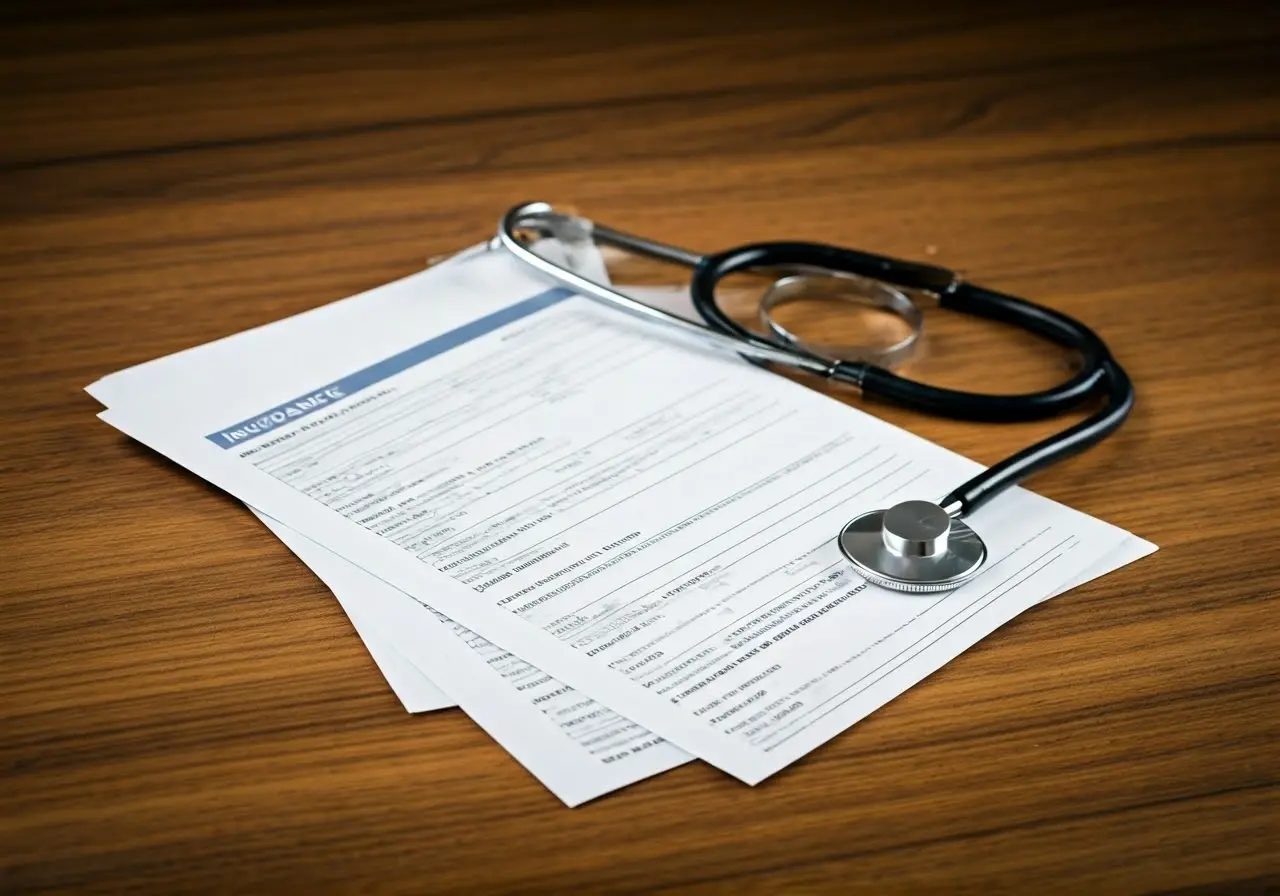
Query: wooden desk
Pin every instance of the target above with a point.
(184, 707)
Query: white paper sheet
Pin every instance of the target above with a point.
(876, 643)
(415, 690)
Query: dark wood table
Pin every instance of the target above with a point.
(183, 706)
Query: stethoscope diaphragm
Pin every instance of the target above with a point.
(912, 546)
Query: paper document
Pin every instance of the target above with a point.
(416, 692)
(575, 775)
(649, 523)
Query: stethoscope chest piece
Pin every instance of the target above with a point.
(913, 546)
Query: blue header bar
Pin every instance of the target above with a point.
(239, 433)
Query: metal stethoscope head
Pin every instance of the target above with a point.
(915, 546)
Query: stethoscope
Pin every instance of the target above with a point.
(917, 546)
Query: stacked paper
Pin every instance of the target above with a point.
(615, 553)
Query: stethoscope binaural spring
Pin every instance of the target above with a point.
(916, 546)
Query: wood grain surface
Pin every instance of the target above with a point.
(184, 708)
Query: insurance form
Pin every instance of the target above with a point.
(543, 472)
